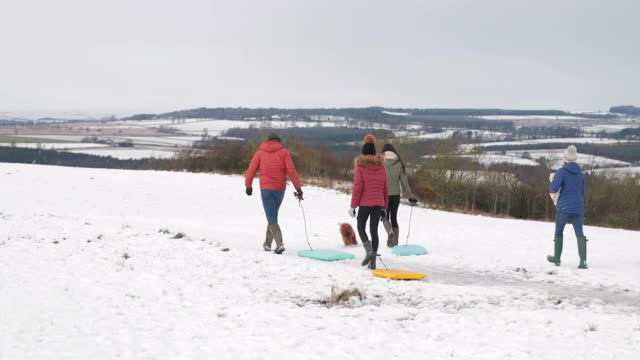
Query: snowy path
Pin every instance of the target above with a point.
(611, 296)
(85, 272)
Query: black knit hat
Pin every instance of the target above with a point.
(369, 147)
(274, 136)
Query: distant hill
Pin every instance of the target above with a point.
(242, 113)
(625, 109)
(13, 120)
(138, 117)
(369, 113)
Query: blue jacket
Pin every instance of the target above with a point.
(570, 181)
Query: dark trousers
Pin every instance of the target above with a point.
(392, 213)
(563, 218)
(373, 214)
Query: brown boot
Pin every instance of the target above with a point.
(396, 237)
(277, 236)
(387, 227)
(268, 239)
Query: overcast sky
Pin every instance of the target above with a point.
(129, 56)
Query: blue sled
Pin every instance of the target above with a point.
(408, 250)
(325, 254)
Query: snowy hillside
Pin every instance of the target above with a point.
(92, 266)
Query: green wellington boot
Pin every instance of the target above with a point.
(557, 251)
(582, 251)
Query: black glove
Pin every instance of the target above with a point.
(249, 191)
(383, 214)
(298, 194)
(413, 201)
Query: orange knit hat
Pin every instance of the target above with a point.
(369, 139)
(369, 147)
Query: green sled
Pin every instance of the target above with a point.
(325, 254)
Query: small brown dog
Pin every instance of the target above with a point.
(348, 235)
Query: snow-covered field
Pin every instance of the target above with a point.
(128, 153)
(476, 134)
(556, 160)
(86, 273)
(216, 127)
(608, 128)
(554, 157)
(491, 159)
(55, 146)
(584, 140)
(529, 117)
(396, 113)
(161, 147)
(148, 140)
(619, 172)
(69, 138)
(159, 140)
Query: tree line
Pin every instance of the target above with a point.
(10, 154)
(626, 109)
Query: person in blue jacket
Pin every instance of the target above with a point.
(569, 181)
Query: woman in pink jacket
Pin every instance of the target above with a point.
(370, 196)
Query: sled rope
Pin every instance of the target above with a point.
(382, 262)
(409, 228)
(304, 218)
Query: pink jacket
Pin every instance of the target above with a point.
(370, 182)
(274, 163)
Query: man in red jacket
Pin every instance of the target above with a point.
(274, 164)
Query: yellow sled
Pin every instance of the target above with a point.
(395, 274)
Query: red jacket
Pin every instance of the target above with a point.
(274, 163)
(370, 182)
